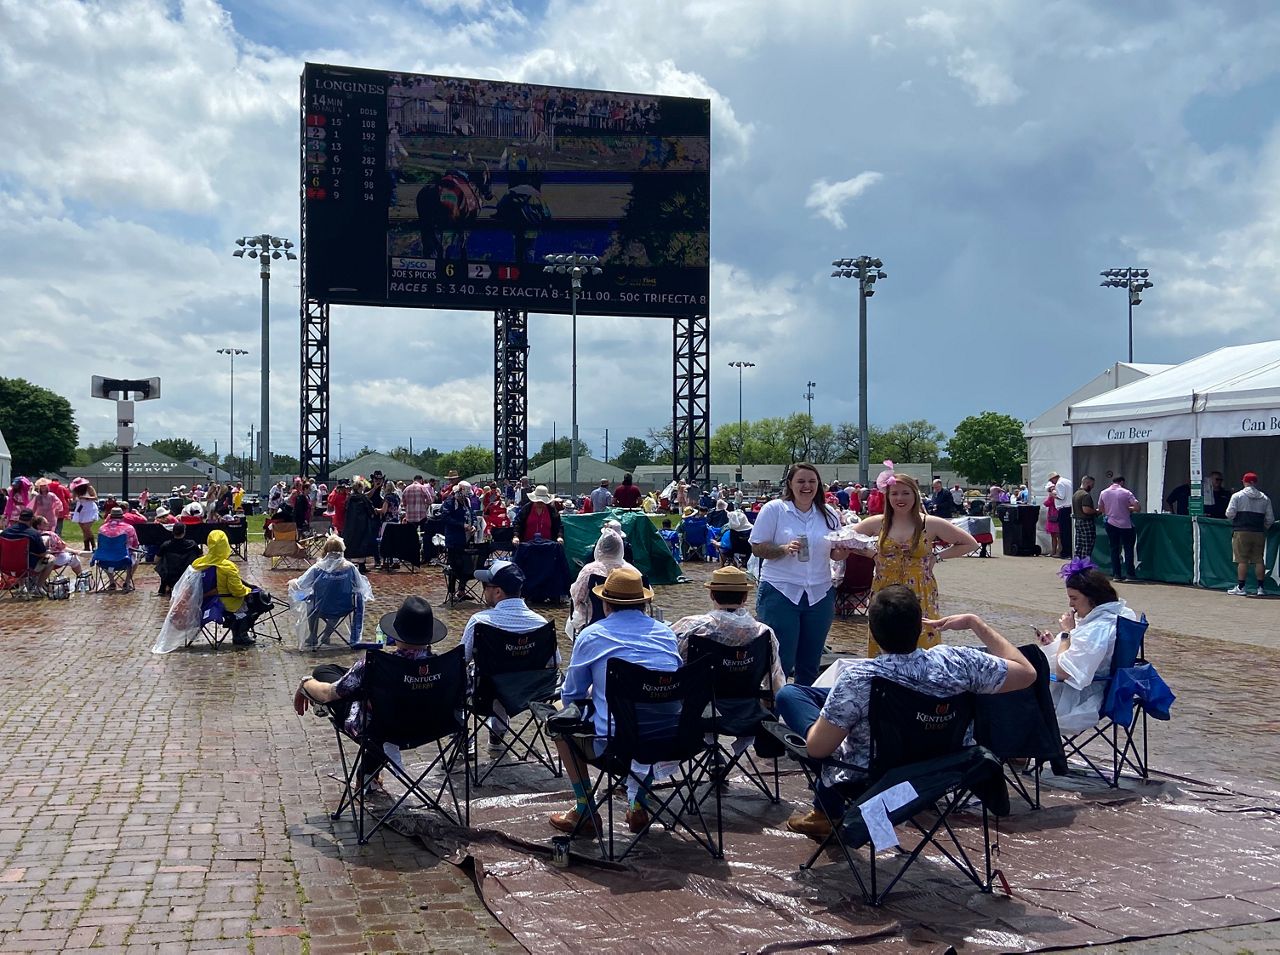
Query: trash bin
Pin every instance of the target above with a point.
(1018, 529)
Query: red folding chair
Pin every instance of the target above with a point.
(853, 596)
(16, 574)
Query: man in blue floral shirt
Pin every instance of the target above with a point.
(836, 722)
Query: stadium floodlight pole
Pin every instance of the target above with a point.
(808, 397)
(574, 266)
(867, 271)
(1136, 281)
(231, 443)
(264, 248)
(741, 437)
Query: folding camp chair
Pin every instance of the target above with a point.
(916, 739)
(654, 716)
(1022, 725)
(410, 703)
(511, 671)
(460, 576)
(238, 537)
(694, 531)
(16, 575)
(214, 625)
(502, 540)
(111, 562)
(743, 701)
(401, 542)
(1125, 741)
(853, 595)
(335, 608)
(285, 547)
(151, 536)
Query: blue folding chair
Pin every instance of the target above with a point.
(111, 562)
(334, 601)
(694, 530)
(1144, 693)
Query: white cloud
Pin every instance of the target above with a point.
(828, 199)
(990, 84)
(937, 23)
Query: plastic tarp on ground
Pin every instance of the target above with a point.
(1094, 866)
(651, 555)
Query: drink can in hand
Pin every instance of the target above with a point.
(803, 553)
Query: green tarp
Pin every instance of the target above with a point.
(1168, 545)
(650, 553)
(1218, 570)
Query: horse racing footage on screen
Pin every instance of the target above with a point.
(443, 192)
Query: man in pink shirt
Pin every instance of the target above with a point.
(1117, 505)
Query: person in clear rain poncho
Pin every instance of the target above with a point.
(331, 588)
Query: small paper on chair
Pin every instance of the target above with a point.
(875, 813)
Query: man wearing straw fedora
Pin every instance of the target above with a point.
(627, 633)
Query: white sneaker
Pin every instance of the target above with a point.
(1237, 591)
(1259, 592)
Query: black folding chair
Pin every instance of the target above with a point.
(654, 716)
(151, 536)
(238, 537)
(916, 739)
(411, 703)
(1124, 743)
(502, 543)
(460, 574)
(1022, 726)
(511, 670)
(401, 542)
(744, 700)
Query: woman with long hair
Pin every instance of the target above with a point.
(795, 596)
(905, 547)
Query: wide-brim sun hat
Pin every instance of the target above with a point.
(624, 587)
(541, 494)
(415, 623)
(732, 579)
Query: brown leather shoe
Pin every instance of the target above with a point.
(813, 824)
(637, 818)
(568, 821)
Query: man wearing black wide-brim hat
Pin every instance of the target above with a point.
(411, 630)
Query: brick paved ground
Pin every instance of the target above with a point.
(176, 803)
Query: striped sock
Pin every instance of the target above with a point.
(582, 795)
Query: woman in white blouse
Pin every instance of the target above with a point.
(795, 596)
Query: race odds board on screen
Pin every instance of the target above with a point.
(441, 192)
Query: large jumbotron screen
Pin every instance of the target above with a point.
(440, 192)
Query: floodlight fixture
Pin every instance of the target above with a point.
(1136, 281)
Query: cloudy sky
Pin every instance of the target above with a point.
(995, 154)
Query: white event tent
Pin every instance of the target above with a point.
(1048, 435)
(1217, 412)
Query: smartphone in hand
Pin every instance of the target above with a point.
(1043, 636)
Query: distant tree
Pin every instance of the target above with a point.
(912, 441)
(286, 464)
(467, 461)
(549, 451)
(38, 425)
(988, 447)
(635, 452)
(92, 453)
(661, 442)
(180, 449)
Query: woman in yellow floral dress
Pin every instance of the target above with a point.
(904, 552)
